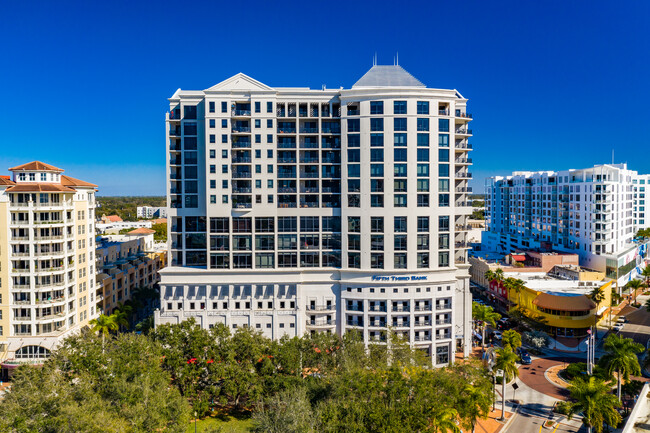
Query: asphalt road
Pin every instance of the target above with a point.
(638, 327)
(524, 423)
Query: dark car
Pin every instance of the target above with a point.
(526, 359)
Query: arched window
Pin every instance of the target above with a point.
(32, 352)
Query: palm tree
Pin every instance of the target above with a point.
(597, 295)
(516, 285)
(120, 318)
(593, 400)
(443, 420)
(621, 358)
(646, 275)
(506, 361)
(104, 325)
(474, 404)
(497, 275)
(485, 315)
(647, 305)
(634, 285)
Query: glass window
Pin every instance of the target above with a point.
(400, 260)
(376, 107)
(376, 200)
(443, 140)
(443, 155)
(354, 125)
(399, 139)
(354, 185)
(376, 155)
(423, 185)
(401, 243)
(354, 170)
(269, 107)
(400, 170)
(377, 170)
(376, 185)
(354, 155)
(258, 106)
(399, 155)
(400, 224)
(224, 106)
(400, 200)
(423, 170)
(377, 224)
(399, 107)
(399, 185)
(443, 200)
(443, 125)
(354, 242)
(212, 106)
(377, 242)
(354, 260)
(354, 224)
(377, 124)
(354, 140)
(423, 155)
(443, 170)
(423, 107)
(423, 224)
(443, 185)
(423, 139)
(443, 223)
(423, 260)
(443, 241)
(309, 224)
(423, 200)
(377, 261)
(376, 139)
(399, 124)
(443, 259)
(423, 124)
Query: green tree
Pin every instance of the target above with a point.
(514, 285)
(511, 339)
(484, 315)
(161, 232)
(289, 411)
(496, 275)
(597, 295)
(646, 276)
(104, 325)
(620, 357)
(90, 388)
(443, 420)
(506, 361)
(593, 400)
(474, 404)
(634, 285)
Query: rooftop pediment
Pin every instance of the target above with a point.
(240, 82)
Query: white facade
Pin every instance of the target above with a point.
(122, 225)
(589, 212)
(47, 227)
(296, 210)
(151, 212)
(641, 208)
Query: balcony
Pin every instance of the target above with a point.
(307, 204)
(461, 115)
(377, 323)
(463, 204)
(422, 338)
(240, 113)
(443, 336)
(354, 112)
(423, 308)
(242, 190)
(241, 175)
(463, 161)
(241, 129)
(308, 160)
(463, 175)
(443, 307)
(462, 245)
(242, 205)
(309, 190)
(309, 130)
(360, 308)
(321, 322)
(443, 112)
(464, 189)
(287, 160)
(308, 175)
(175, 132)
(241, 144)
(284, 130)
(462, 131)
(241, 160)
(422, 323)
(322, 308)
(467, 146)
(287, 190)
(377, 308)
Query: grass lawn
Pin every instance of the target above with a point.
(228, 424)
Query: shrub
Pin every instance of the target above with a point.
(562, 407)
(577, 369)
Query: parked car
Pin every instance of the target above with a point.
(496, 335)
(618, 326)
(526, 359)
(621, 319)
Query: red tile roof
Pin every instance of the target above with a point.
(36, 166)
(71, 181)
(39, 187)
(5, 180)
(112, 218)
(141, 231)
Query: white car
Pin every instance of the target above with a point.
(497, 335)
(617, 327)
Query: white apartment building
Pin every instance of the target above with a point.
(47, 273)
(588, 211)
(151, 212)
(641, 209)
(296, 210)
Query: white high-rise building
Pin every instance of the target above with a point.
(641, 208)
(295, 210)
(47, 263)
(589, 212)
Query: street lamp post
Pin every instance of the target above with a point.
(195, 419)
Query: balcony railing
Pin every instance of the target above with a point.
(241, 129)
(423, 308)
(240, 112)
(242, 205)
(309, 130)
(461, 175)
(242, 175)
(241, 190)
(286, 130)
(464, 146)
(241, 160)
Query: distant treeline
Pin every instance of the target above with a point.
(126, 207)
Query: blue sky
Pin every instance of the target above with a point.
(552, 85)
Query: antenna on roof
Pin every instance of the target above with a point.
(397, 59)
(612, 156)
(374, 59)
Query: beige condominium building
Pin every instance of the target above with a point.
(47, 228)
(294, 210)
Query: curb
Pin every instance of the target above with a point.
(515, 412)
